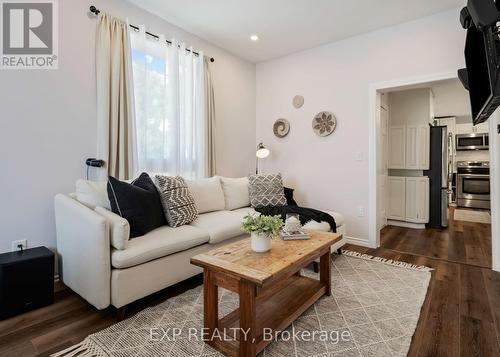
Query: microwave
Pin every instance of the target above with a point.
(472, 141)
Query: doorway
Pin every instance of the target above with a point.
(408, 116)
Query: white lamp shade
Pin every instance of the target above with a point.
(262, 153)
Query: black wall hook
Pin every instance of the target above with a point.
(94, 10)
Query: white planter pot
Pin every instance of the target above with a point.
(260, 243)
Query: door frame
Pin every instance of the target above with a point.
(374, 152)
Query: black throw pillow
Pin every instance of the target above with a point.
(138, 202)
(289, 196)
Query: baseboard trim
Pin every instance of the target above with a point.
(359, 241)
(391, 222)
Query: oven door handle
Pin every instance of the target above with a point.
(473, 176)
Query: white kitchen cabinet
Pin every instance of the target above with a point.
(482, 128)
(409, 147)
(396, 206)
(397, 147)
(417, 199)
(468, 128)
(408, 199)
(465, 128)
(423, 147)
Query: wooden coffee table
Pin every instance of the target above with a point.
(272, 292)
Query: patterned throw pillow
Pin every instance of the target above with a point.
(266, 190)
(178, 203)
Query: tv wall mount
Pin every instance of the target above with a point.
(483, 14)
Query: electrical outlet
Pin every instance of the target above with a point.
(15, 245)
(361, 211)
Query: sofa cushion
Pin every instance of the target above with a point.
(178, 203)
(235, 192)
(266, 190)
(207, 194)
(242, 212)
(220, 225)
(92, 193)
(158, 243)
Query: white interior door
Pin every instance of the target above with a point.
(383, 170)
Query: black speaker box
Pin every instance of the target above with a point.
(26, 280)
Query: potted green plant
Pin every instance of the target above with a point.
(262, 229)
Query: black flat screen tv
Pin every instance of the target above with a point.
(482, 58)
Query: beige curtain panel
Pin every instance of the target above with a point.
(210, 118)
(115, 98)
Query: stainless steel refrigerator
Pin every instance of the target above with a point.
(439, 176)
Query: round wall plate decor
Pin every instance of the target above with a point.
(281, 128)
(298, 101)
(324, 123)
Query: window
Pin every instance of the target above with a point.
(170, 124)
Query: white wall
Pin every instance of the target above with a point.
(451, 99)
(410, 107)
(337, 77)
(48, 121)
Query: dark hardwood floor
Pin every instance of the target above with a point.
(460, 316)
(462, 242)
(461, 313)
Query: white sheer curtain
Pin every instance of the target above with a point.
(169, 107)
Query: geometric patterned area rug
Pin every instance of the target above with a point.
(373, 311)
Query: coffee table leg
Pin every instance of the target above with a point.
(210, 304)
(325, 272)
(248, 293)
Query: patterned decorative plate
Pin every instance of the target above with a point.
(298, 101)
(324, 123)
(281, 128)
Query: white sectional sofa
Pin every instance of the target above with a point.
(99, 261)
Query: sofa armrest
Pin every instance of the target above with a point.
(118, 226)
(83, 246)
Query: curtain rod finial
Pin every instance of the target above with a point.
(212, 59)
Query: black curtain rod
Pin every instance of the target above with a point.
(96, 12)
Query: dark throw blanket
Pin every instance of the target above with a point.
(306, 214)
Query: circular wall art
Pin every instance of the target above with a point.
(324, 123)
(298, 101)
(281, 128)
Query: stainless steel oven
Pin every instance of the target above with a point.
(473, 186)
(472, 141)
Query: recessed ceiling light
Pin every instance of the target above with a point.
(254, 38)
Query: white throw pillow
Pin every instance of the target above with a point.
(207, 194)
(235, 192)
(92, 193)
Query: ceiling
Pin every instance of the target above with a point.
(287, 26)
